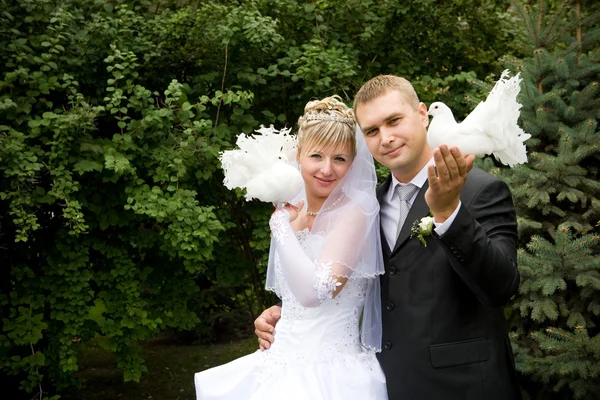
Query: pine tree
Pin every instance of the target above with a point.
(557, 338)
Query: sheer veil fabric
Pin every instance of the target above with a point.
(352, 242)
(321, 351)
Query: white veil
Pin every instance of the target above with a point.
(359, 250)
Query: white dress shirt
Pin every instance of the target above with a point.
(390, 208)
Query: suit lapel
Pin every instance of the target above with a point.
(418, 210)
(381, 191)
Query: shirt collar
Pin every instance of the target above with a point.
(419, 180)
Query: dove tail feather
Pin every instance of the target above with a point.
(262, 165)
(508, 137)
(491, 128)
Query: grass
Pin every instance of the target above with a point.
(170, 375)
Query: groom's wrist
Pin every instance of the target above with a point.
(442, 228)
(440, 217)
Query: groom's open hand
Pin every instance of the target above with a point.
(264, 326)
(443, 195)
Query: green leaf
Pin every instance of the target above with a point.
(83, 166)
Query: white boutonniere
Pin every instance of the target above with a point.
(422, 228)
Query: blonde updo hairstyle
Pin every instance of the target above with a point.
(327, 123)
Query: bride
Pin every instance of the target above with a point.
(324, 264)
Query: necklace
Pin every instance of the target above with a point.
(335, 203)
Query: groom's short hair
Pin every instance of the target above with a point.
(381, 85)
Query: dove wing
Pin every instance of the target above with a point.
(470, 136)
(473, 123)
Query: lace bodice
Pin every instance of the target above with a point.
(328, 330)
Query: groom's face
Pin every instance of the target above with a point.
(396, 133)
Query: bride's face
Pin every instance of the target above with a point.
(323, 169)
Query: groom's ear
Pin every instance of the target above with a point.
(422, 109)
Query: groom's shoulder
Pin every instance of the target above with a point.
(479, 179)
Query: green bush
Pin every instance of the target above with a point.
(114, 223)
(556, 194)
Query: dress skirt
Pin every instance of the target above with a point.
(258, 376)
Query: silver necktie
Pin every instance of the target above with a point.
(405, 193)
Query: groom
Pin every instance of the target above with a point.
(444, 331)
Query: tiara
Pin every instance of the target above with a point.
(329, 117)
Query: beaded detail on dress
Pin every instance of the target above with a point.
(340, 315)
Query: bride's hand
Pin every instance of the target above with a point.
(294, 210)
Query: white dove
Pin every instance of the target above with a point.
(491, 128)
(262, 166)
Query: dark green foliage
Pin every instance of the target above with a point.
(114, 223)
(557, 199)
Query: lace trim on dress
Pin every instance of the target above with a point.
(326, 273)
(325, 282)
(303, 235)
(278, 230)
(357, 271)
(276, 223)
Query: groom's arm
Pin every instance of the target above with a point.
(481, 240)
(481, 244)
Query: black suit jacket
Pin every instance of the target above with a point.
(444, 331)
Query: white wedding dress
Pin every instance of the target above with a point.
(317, 353)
